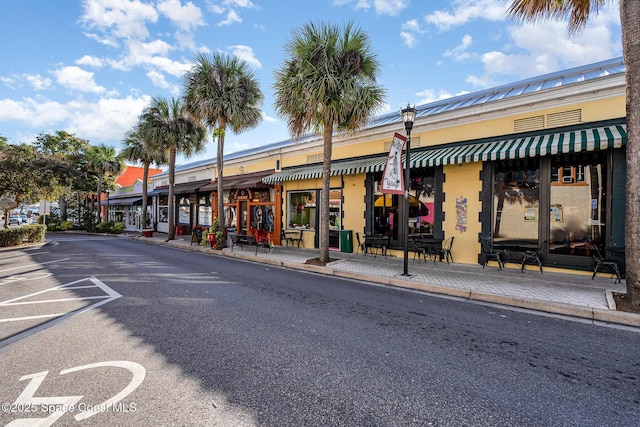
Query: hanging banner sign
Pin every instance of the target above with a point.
(392, 177)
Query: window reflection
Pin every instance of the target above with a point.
(516, 208)
(578, 205)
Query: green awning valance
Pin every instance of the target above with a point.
(575, 141)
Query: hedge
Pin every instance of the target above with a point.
(26, 234)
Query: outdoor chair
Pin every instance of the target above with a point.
(489, 254)
(416, 249)
(444, 252)
(361, 246)
(531, 256)
(601, 261)
(284, 240)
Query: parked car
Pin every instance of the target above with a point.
(15, 220)
(25, 219)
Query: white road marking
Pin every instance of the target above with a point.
(31, 265)
(22, 277)
(110, 295)
(57, 406)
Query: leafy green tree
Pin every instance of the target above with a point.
(105, 163)
(28, 175)
(578, 12)
(138, 149)
(326, 84)
(220, 91)
(167, 125)
(71, 149)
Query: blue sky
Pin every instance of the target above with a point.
(91, 66)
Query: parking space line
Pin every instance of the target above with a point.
(109, 295)
(31, 265)
(42, 316)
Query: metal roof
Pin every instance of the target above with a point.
(532, 85)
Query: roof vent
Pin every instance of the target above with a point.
(528, 123)
(564, 118)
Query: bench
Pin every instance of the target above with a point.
(247, 239)
(293, 237)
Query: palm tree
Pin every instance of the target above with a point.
(138, 149)
(221, 90)
(104, 161)
(328, 83)
(167, 126)
(578, 12)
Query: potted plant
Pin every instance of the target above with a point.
(214, 237)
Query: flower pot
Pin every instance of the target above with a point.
(147, 233)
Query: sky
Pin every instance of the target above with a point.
(90, 67)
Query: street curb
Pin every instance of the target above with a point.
(593, 314)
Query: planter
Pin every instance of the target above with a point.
(147, 233)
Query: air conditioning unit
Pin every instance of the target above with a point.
(567, 180)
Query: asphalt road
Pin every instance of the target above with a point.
(138, 334)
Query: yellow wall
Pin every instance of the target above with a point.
(463, 181)
(353, 207)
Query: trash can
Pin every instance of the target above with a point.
(346, 241)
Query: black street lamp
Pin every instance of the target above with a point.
(408, 117)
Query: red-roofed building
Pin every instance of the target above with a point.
(125, 204)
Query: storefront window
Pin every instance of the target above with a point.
(204, 210)
(163, 208)
(516, 209)
(578, 205)
(302, 209)
(421, 202)
(184, 210)
(421, 206)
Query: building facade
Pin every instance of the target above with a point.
(537, 163)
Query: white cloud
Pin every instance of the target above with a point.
(409, 29)
(232, 18)
(38, 82)
(91, 61)
(466, 11)
(430, 95)
(8, 81)
(246, 54)
(107, 119)
(546, 47)
(122, 18)
(33, 112)
(381, 7)
(408, 39)
(76, 78)
(460, 53)
(389, 7)
(268, 118)
(158, 79)
(186, 17)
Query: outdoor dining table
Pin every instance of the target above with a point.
(375, 242)
(429, 244)
(512, 250)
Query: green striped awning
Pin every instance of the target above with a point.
(599, 138)
(338, 167)
(575, 141)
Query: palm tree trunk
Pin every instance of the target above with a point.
(324, 197)
(99, 216)
(630, 19)
(219, 166)
(172, 204)
(145, 179)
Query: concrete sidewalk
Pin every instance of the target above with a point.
(552, 292)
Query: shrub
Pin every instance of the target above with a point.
(17, 236)
(111, 227)
(66, 225)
